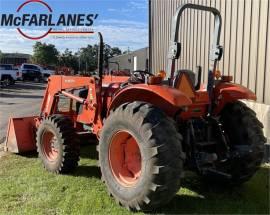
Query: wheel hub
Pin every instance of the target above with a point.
(125, 158)
(49, 146)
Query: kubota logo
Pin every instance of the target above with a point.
(22, 19)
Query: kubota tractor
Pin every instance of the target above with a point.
(149, 129)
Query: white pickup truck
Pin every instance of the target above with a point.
(9, 74)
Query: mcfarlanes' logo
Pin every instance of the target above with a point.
(49, 20)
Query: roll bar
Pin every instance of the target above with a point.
(175, 46)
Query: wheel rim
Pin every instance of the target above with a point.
(125, 158)
(6, 82)
(49, 146)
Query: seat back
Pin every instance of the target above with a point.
(185, 82)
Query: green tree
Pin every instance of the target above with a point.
(116, 51)
(88, 56)
(45, 54)
(68, 59)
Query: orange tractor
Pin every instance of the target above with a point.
(149, 129)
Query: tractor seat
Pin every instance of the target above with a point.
(185, 82)
(189, 73)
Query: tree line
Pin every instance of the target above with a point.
(85, 59)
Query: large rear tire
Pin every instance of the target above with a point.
(140, 156)
(57, 144)
(246, 141)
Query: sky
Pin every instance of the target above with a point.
(124, 23)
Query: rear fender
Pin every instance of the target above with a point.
(168, 99)
(230, 92)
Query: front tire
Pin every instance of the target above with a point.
(140, 156)
(57, 144)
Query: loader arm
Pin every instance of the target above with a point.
(59, 84)
(20, 135)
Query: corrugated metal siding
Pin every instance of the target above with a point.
(245, 38)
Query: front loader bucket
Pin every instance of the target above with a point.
(20, 135)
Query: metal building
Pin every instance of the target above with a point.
(136, 60)
(15, 58)
(245, 38)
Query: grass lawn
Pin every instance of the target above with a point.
(26, 188)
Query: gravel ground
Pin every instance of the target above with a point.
(19, 100)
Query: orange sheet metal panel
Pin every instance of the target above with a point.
(21, 135)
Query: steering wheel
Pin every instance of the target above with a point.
(138, 76)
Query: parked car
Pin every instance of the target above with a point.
(31, 72)
(9, 74)
(35, 72)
